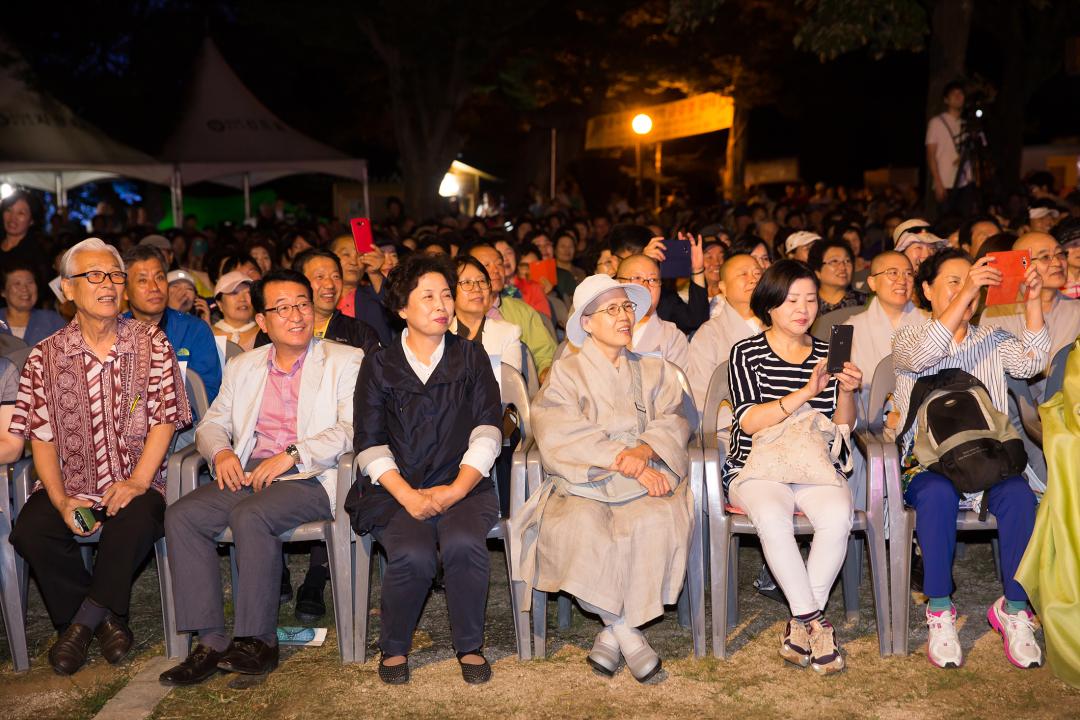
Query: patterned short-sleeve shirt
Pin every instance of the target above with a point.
(98, 414)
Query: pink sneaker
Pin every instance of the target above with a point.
(1017, 633)
(943, 645)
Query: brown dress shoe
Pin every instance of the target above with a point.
(199, 665)
(68, 653)
(249, 656)
(115, 638)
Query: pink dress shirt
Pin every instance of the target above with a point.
(275, 429)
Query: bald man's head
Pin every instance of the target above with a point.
(1048, 257)
(886, 259)
(641, 270)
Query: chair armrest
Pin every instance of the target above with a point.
(22, 483)
(714, 490)
(346, 475)
(189, 471)
(519, 475)
(173, 474)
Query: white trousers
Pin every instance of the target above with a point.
(771, 506)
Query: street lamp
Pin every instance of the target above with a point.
(641, 125)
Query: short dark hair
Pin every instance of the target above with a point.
(16, 266)
(143, 253)
(816, 257)
(746, 244)
(258, 289)
(626, 237)
(403, 279)
(772, 289)
(462, 260)
(310, 254)
(233, 261)
(966, 227)
(953, 85)
(931, 266)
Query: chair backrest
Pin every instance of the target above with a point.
(718, 393)
(232, 350)
(1029, 411)
(18, 357)
(689, 406)
(1055, 376)
(549, 325)
(196, 391)
(821, 327)
(528, 369)
(516, 393)
(10, 344)
(881, 386)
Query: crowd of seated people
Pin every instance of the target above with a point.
(309, 349)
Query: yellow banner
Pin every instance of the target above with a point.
(693, 116)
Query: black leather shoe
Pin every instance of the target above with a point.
(310, 606)
(201, 663)
(249, 656)
(115, 638)
(394, 674)
(68, 653)
(286, 585)
(475, 674)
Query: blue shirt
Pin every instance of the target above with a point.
(193, 342)
(42, 324)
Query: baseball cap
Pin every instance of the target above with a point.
(181, 276)
(798, 239)
(913, 231)
(228, 283)
(159, 242)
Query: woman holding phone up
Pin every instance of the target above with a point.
(772, 377)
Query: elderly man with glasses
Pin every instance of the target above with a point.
(272, 438)
(99, 401)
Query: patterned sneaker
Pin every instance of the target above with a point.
(796, 643)
(943, 646)
(825, 655)
(1018, 634)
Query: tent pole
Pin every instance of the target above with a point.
(247, 196)
(61, 194)
(367, 200)
(177, 199)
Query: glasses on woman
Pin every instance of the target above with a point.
(285, 311)
(838, 262)
(468, 285)
(614, 310)
(896, 274)
(96, 277)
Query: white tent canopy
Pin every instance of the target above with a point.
(226, 135)
(44, 145)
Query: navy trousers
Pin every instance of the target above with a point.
(936, 502)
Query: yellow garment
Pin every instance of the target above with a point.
(320, 330)
(1050, 569)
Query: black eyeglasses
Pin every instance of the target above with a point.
(284, 311)
(96, 277)
(468, 285)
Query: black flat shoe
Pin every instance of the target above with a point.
(200, 664)
(310, 605)
(249, 656)
(475, 674)
(394, 674)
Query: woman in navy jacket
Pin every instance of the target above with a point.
(426, 419)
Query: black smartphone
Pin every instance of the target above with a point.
(676, 263)
(839, 348)
(86, 518)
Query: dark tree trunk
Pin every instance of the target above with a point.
(1007, 119)
(950, 25)
(735, 168)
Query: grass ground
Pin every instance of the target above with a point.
(752, 683)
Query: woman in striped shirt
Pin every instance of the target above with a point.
(771, 376)
(950, 285)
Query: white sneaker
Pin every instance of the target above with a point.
(943, 646)
(1018, 634)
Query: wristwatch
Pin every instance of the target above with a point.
(292, 452)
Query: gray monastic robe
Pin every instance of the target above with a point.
(626, 558)
(712, 345)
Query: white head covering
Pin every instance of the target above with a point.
(593, 287)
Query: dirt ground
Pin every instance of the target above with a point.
(752, 683)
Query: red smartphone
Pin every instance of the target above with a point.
(1013, 265)
(361, 234)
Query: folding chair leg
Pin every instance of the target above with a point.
(733, 582)
(875, 540)
(566, 608)
(995, 545)
(517, 601)
(902, 534)
(177, 644)
(683, 607)
(341, 590)
(12, 604)
(850, 578)
(539, 623)
(361, 566)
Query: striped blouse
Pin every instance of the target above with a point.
(756, 374)
(986, 353)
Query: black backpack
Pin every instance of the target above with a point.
(961, 435)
